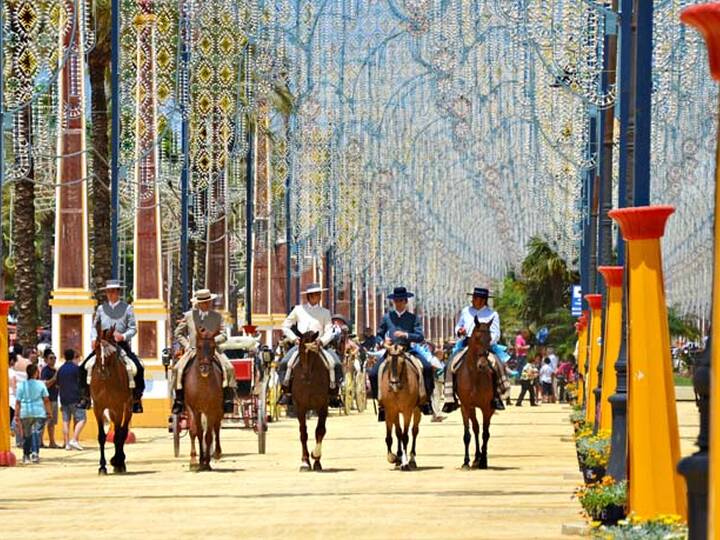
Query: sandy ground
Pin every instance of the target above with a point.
(526, 493)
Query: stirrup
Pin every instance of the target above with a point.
(498, 404)
(178, 406)
(137, 406)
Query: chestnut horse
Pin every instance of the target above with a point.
(400, 394)
(204, 400)
(474, 386)
(110, 390)
(310, 392)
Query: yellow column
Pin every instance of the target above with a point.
(655, 487)
(611, 341)
(7, 458)
(582, 356)
(594, 349)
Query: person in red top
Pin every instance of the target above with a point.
(521, 350)
(565, 374)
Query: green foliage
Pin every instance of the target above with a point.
(682, 325)
(540, 297)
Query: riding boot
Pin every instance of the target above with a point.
(497, 401)
(83, 389)
(338, 379)
(228, 400)
(137, 402)
(179, 403)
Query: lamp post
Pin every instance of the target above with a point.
(704, 495)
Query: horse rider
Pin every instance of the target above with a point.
(401, 326)
(117, 314)
(202, 316)
(466, 323)
(309, 317)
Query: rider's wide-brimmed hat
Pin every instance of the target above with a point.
(203, 295)
(400, 293)
(480, 292)
(112, 284)
(313, 288)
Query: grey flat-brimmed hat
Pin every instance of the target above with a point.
(112, 284)
(313, 288)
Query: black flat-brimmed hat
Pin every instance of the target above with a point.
(400, 293)
(480, 292)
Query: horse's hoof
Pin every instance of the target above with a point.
(475, 464)
(482, 464)
(412, 464)
(204, 467)
(217, 456)
(392, 458)
(194, 467)
(119, 469)
(465, 467)
(304, 467)
(102, 471)
(405, 467)
(317, 467)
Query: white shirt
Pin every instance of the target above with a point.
(554, 361)
(484, 315)
(546, 373)
(309, 318)
(12, 381)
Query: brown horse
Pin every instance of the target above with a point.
(310, 392)
(110, 390)
(474, 386)
(400, 391)
(204, 400)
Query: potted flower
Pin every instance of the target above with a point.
(667, 527)
(604, 501)
(593, 452)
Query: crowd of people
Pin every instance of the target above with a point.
(39, 394)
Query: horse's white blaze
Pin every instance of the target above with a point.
(317, 453)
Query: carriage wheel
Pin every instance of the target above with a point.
(437, 400)
(175, 426)
(348, 391)
(360, 392)
(261, 420)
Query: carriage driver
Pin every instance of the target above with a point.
(202, 316)
(466, 323)
(309, 317)
(114, 313)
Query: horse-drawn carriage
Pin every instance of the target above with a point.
(256, 387)
(354, 386)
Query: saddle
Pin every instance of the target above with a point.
(458, 359)
(327, 359)
(417, 368)
(129, 366)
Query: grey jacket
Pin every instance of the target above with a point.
(121, 316)
(186, 331)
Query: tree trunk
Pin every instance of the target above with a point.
(98, 65)
(24, 238)
(47, 227)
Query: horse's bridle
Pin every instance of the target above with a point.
(396, 368)
(483, 361)
(204, 360)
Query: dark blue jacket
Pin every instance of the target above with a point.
(408, 322)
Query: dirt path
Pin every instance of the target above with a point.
(526, 493)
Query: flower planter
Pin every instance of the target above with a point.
(592, 474)
(610, 515)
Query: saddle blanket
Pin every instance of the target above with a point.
(327, 359)
(456, 362)
(129, 365)
(417, 366)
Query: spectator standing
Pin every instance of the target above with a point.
(521, 350)
(527, 383)
(49, 375)
(32, 407)
(20, 368)
(67, 380)
(546, 381)
(12, 384)
(565, 375)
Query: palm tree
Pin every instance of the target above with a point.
(24, 239)
(98, 67)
